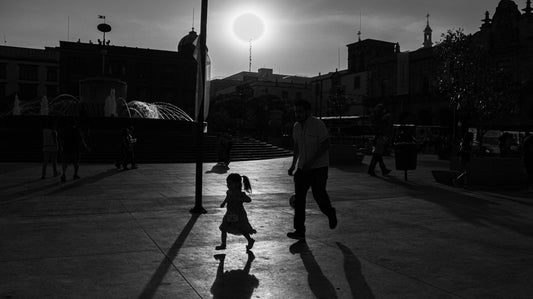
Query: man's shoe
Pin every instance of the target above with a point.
(386, 172)
(63, 178)
(298, 235)
(333, 219)
(372, 173)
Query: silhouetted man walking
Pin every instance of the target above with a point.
(311, 156)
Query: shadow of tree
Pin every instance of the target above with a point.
(237, 284)
(466, 207)
(156, 279)
(318, 282)
(354, 276)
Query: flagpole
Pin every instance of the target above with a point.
(198, 208)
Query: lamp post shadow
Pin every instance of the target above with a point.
(167, 262)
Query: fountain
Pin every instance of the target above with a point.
(16, 106)
(44, 105)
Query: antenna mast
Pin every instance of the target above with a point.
(359, 32)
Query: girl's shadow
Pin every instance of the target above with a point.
(235, 283)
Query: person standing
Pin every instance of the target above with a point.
(72, 142)
(50, 148)
(465, 152)
(311, 161)
(378, 149)
(127, 153)
(527, 150)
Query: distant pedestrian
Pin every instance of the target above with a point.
(225, 143)
(72, 143)
(235, 220)
(127, 150)
(378, 149)
(465, 154)
(311, 161)
(527, 151)
(50, 148)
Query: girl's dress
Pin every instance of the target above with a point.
(235, 220)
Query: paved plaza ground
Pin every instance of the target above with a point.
(129, 234)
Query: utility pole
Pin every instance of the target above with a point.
(198, 208)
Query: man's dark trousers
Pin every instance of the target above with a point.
(316, 180)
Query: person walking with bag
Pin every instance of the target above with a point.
(311, 162)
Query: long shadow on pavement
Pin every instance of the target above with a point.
(83, 181)
(318, 282)
(20, 184)
(354, 276)
(151, 287)
(235, 283)
(466, 207)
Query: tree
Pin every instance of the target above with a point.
(480, 90)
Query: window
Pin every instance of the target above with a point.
(284, 94)
(298, 95)
(3, 71)
(51, 74)
(356, 82)
(28, 72)
(51, 91)
(27, 92)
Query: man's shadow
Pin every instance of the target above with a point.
(318, 282)
(235, 283)
(354, 276)
(219, 168)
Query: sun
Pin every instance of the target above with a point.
(248, 27)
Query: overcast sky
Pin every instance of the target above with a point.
(301, 37)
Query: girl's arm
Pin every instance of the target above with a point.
(245, 197)
(224, 202)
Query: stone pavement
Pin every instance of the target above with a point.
(129, 234)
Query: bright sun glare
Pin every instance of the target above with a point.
(248, 26)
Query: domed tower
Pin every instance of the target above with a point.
(505, 27)
(427, 35)
(186, 44)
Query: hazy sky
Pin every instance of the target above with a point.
(301, 37)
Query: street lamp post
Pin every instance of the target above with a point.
(198, 208)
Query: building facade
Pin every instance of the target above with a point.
(151, 75)
(406, 82)
(28, 73)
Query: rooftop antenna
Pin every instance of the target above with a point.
(359, 32)
(193, 19)
(339, 57)
(250, 58)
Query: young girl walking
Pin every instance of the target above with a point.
(235, 220)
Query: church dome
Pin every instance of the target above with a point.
(186, 44)
(507, 12)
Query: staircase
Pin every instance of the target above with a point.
(153, 146)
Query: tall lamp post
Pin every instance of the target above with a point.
(198, 208)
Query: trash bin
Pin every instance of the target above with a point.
(405, 156)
